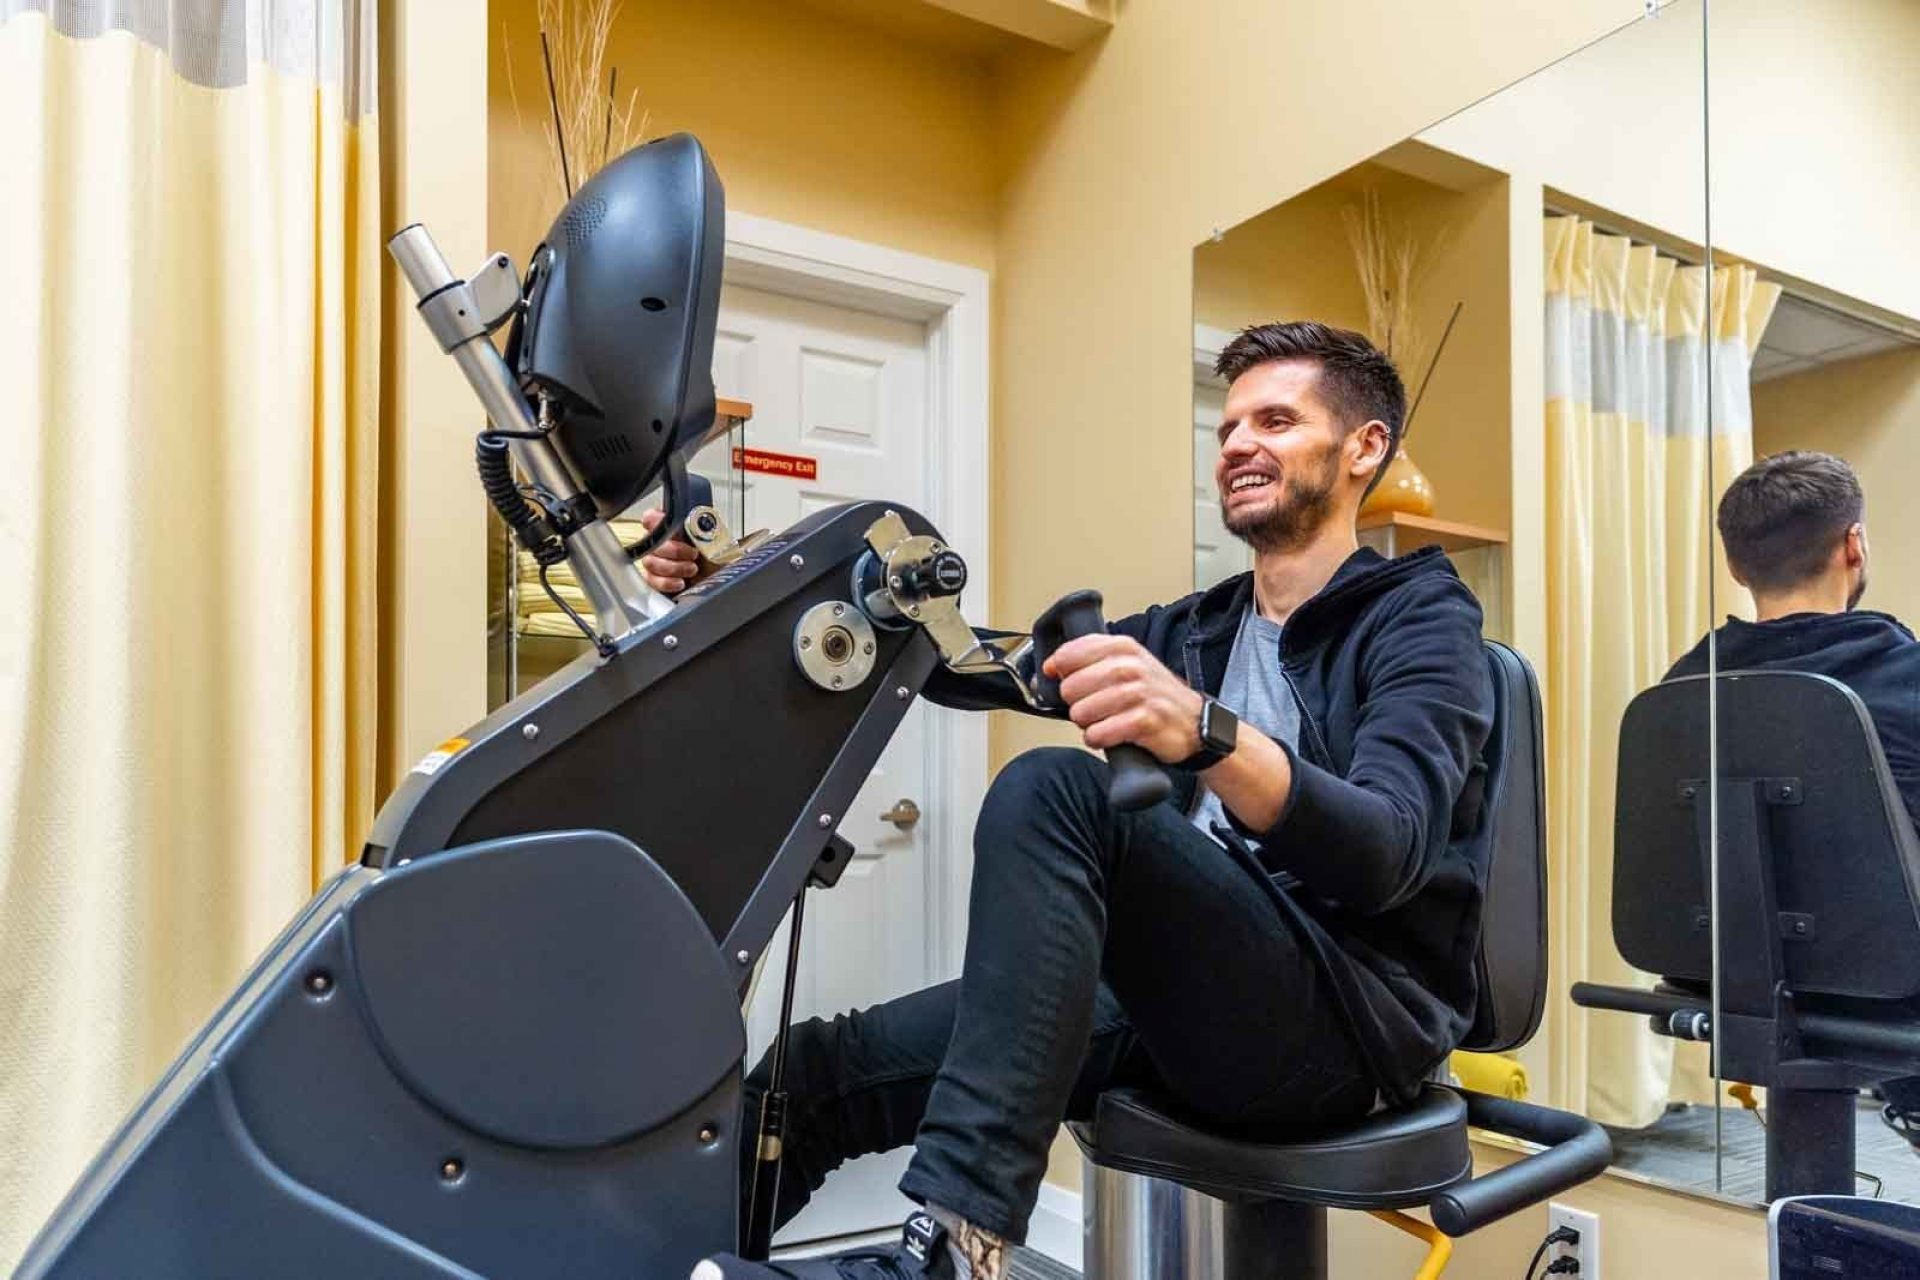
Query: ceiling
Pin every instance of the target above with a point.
(922, 24)
(1805, 335)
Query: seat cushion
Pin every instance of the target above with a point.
(1391, 1159)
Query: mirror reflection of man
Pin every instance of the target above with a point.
(1793, 525)
(1794, 530)
(1290, 943)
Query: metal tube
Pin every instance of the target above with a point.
(1275, 1240)
(1140, 1228)
(420, 260)
(1891, 1037)
(621, 599)
(1810, 1142)
(1593, 995)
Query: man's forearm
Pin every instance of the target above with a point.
(1255, 781)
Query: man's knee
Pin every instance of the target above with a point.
(1045, 780)
(1058, 790)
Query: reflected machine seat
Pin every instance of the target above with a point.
(1818, 901)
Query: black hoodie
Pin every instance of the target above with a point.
(1387, 666)
(1871, 653)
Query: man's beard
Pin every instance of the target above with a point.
(1859, 589)
(1306, 503)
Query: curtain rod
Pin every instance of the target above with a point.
(1803, 292)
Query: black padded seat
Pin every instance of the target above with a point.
(1276, 1186)
(1391, 1160)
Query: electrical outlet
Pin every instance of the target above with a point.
(1587, 1251)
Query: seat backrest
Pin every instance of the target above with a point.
(1831, 830)
(1511, 840)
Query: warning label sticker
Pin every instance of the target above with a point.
(430, 763)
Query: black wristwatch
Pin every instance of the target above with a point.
(1219, 734)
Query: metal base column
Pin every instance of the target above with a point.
(1139, 1228)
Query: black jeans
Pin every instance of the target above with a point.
(1103, 948)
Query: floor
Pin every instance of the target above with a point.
(1678, 1149)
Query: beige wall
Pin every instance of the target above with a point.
(1868, 412)
(433, 665)
(810, 118)
(1815, 163)
(1289, 263)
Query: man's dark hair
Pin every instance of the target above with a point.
(1781, 517)
(1357, 380)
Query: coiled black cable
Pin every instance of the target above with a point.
(533, 527)
(530, 526)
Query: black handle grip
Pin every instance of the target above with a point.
(1577, 1150)
(1597, 995)
(1138, 780)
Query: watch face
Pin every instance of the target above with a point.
(1219, 727)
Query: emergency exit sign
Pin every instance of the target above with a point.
(791, 465)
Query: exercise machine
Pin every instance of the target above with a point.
(508, 1041)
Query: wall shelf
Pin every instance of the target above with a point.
(1405, 532)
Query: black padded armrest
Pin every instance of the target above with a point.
(1577, 1149)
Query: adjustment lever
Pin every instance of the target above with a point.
(1138, 781)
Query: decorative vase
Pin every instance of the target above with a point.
(1405, 489)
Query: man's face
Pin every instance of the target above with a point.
(1281, 456)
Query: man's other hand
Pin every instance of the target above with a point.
(1117, 693)
(669, 567)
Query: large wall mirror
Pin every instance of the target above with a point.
(1815, 176)
(1536, 265)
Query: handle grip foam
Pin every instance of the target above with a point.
(1138, 780)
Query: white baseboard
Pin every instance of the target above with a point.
(1055, 1227)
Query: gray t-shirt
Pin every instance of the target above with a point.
(1256, 690)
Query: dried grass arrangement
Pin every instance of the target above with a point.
(1392, 264)
(586, 122)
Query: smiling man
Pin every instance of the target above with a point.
(1286, 943)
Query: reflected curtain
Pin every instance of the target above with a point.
(189, 351)
(1635, 466)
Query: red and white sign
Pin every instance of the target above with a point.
(791, 465)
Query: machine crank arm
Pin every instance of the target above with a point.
(906, 579)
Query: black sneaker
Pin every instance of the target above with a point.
(921, 1254)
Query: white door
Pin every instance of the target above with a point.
(1217, 554)
(848, 389)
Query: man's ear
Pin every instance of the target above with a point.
(1854, 545)
(1373, 442)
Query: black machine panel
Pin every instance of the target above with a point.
(331, 1150)
(738, 738)
(706, 752)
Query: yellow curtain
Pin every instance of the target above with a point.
(1635, 464)
(189, 348)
